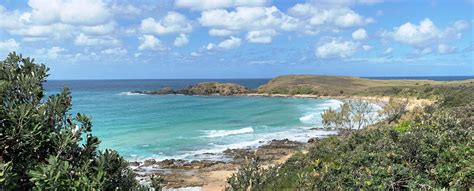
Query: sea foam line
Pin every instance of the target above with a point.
(130, 94)
(223, 133)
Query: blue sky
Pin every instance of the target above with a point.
(107, 39)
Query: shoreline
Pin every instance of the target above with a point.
(213, 174)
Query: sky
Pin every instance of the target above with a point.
(190, 39)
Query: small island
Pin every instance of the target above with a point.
(206, 88)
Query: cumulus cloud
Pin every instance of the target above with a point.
(58, 19)
(125, 9)
(102, 29)
(220, 32)
(261, 36)
(336, 49)
(248, 18)
(388, 51)
(173, 22)
(426, 33)
(359, 34)
(9, 46)
(261, 23)
(367, 47)
(76, 12)
(333, 16)
(213, 4)
(445, 49)
(50, 53)
(150, 42)
(181, 40)
(84, 40)
(114, 51)
(232, 42)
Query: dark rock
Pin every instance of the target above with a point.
(313, 140)
(206, 88)
(134, 163)
(166, 90)
(149, 162)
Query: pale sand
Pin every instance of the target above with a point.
(217, 180)
(381, 100)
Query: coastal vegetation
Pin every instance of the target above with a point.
(426, 148)
(350, 86)
(44, 147)
(205, 88)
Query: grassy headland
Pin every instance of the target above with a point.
(344, 85)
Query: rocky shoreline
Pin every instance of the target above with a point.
(205, 88)
(212, 175)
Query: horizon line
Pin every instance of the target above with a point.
(257, 78)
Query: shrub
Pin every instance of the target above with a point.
(42, 143)
(432, 149)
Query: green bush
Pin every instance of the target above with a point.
(44, 147)
(434, 150)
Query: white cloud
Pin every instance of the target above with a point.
(425, 34)
(261, 36)
(50, 53)
(231, 43)
(59, 19)
(9, 46)
(422, 51)
(367, 47)
(181, 40)
(125, 9)
(343, 3)
(445, 49)
(316, 16)
(54, 52)
(75, 12)
(216, 4)
(359, 34)
(114, 51)
(417, 35)
(100, 29)
(173, 22)
(388, 51)
(150, 42)
(220, 32)
(195, 54)
(84, 40)
(248, 19)
(210, 46)
(336, 48)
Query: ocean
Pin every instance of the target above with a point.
(188, 127)
(191, 127)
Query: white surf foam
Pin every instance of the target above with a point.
(313, 116)
(130, 94)
(223, 133)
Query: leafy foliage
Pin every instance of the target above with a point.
(429, 148)
(44, 146)
(352, 114)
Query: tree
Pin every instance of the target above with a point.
(352, 114)
(42, 143)
(394, 109)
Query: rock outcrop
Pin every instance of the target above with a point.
(206, 88)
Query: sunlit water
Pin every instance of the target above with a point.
(189, 127)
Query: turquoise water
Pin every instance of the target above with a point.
(189, 127)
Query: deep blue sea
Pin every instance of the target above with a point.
(191, 127)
